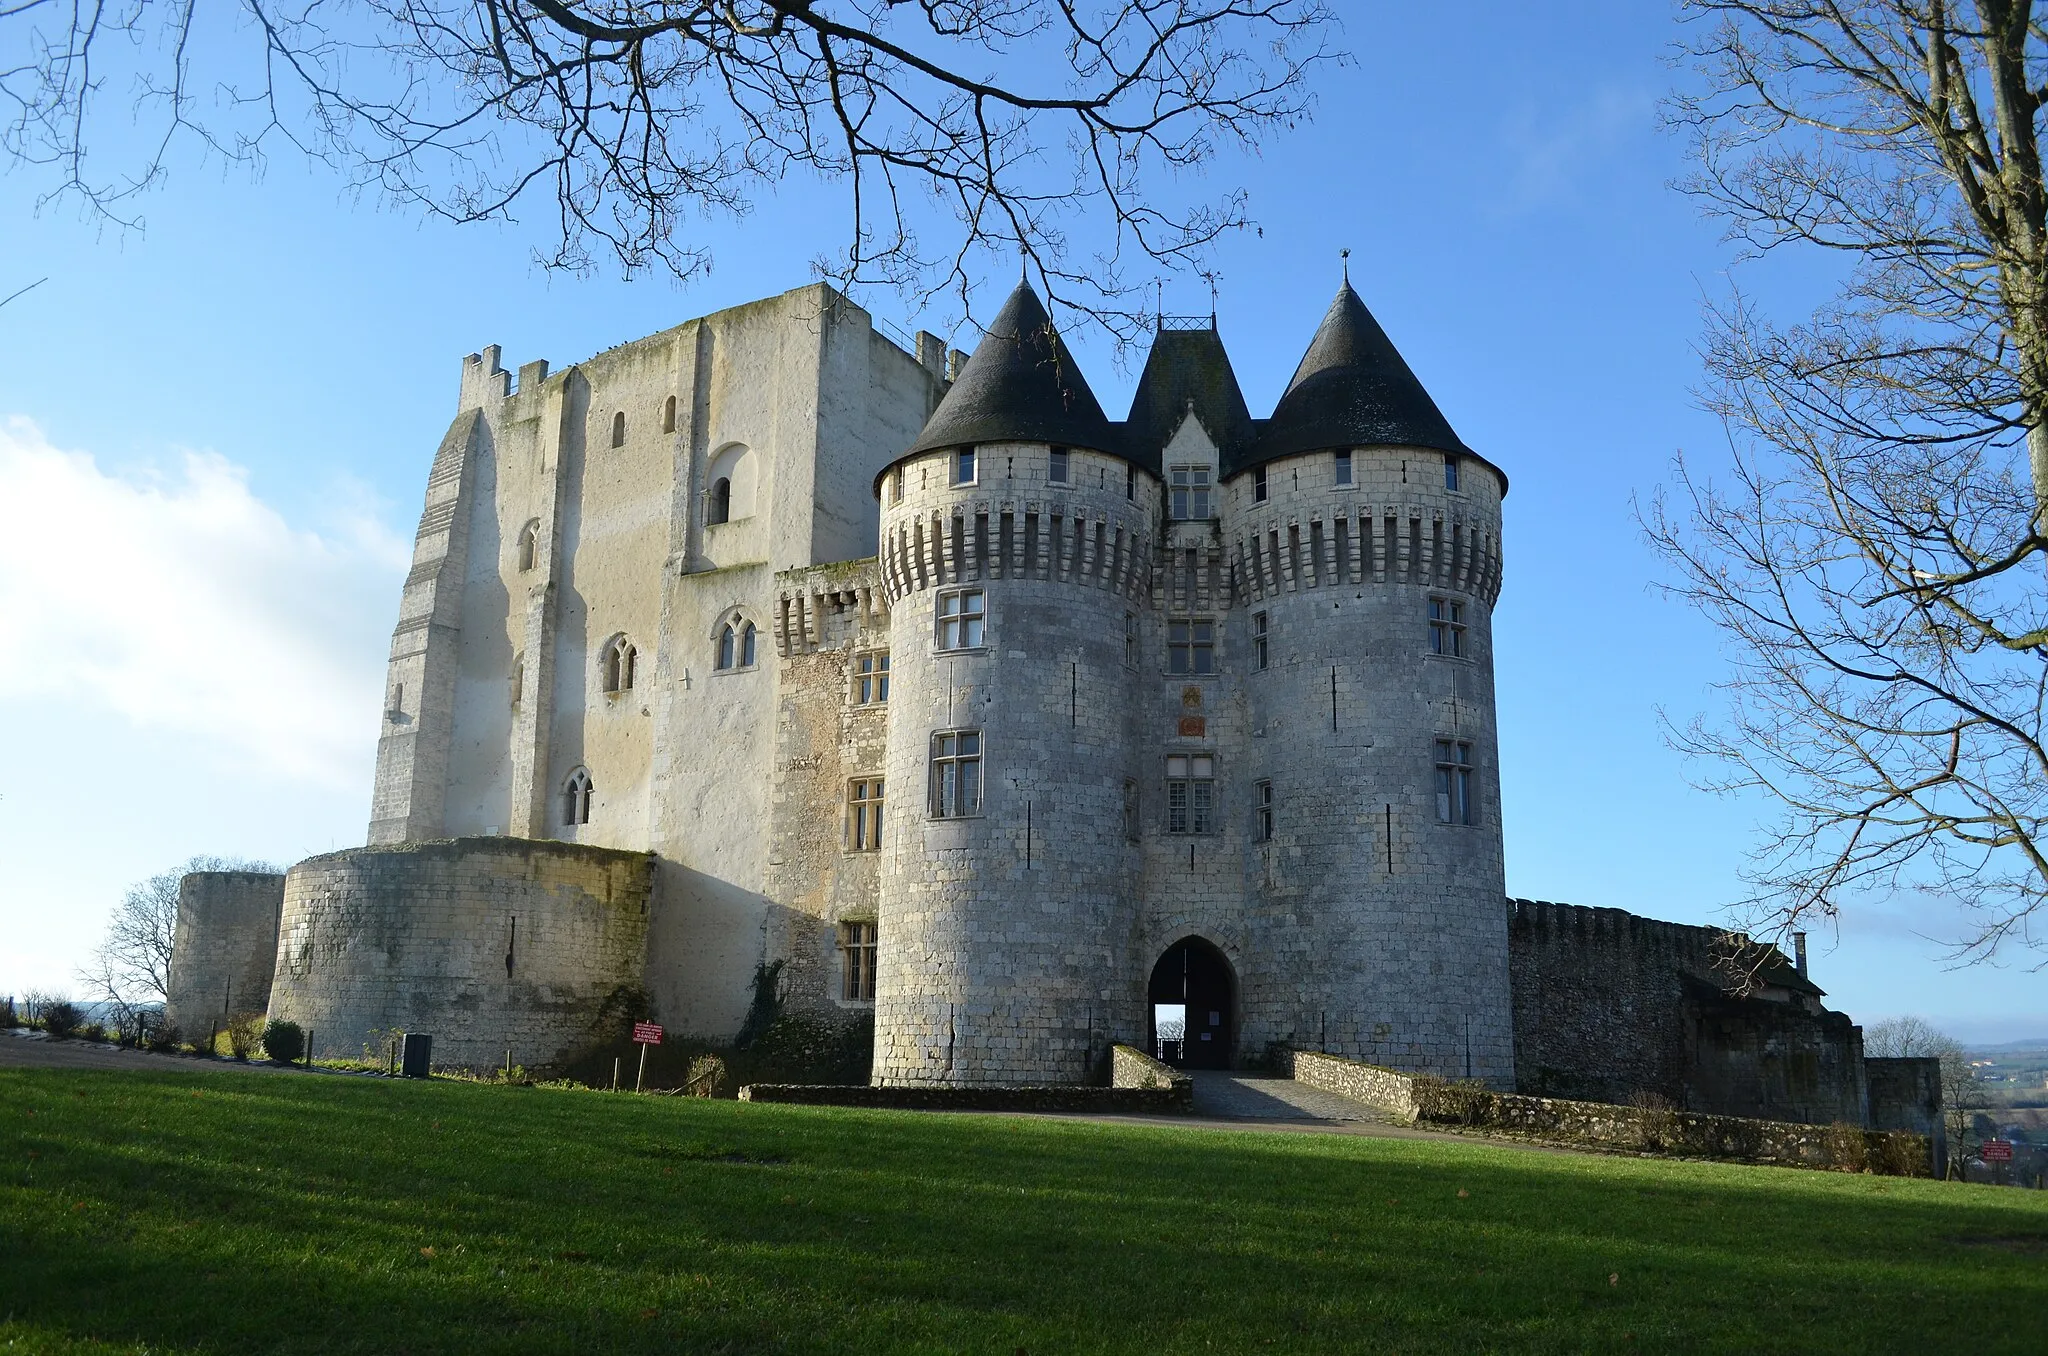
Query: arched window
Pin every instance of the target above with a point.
(576, 794)
(736, 645)
(619, 429)
(617, 663)
(529, 544)
(668, 415)
(718, 508)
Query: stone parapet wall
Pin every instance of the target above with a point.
(1387, 1089)
(223, 946)
(1435, 1101)
(1130, 1067)
(487, 944)
(988, 1097)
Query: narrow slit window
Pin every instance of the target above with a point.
(718, 503)
(1260, 637)
(1130, 640)
(1450, 472)
(668, 415)
(1262, 811)
(1130, 482)
(619, 429)
(1131, 820)
(529, 545)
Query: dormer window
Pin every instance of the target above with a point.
(1191, 486)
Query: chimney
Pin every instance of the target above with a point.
(1799, 953)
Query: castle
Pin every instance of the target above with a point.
(768, 639)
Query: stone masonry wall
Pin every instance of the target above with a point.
(1608, 1005)
(487, 944)
(224, 946)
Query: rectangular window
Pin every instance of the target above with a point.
(1190, 491)
(960, 619)
(1130, 640)
(871, 678)
(1057, 472)
(1453, 782)
(1262, 811)
(963, 466)
(1130, 482)
(956, 774)
(1190, 645)
(1259, 485)
(1447, 627)
(896, 487)
(1450, 472)
(864, 814)
(1191, 794)
(1259, 638)
(1131, 810)
(857, 946)
(1343, 476)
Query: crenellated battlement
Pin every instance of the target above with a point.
(821, 606)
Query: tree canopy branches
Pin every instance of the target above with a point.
(1015, 118)
(1878, 553)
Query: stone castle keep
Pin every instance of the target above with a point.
(765, 639)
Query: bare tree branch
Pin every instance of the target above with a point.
(1018, 119)
(1877, 554)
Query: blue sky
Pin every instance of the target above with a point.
(214, 437)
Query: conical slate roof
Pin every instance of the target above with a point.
(1352, 390)
(1188, 369)
(1021, 385)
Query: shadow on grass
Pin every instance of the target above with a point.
(224, 1214)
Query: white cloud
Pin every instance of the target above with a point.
(1550, 149)
(181, 603)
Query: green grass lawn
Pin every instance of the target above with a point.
(224, 1212)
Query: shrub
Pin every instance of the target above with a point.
(284, 1042)
(162, 1036)
(707, 1076)
(8, 1016)
(92, 1032)
(1657, 1122)
(1451, 1103)
(245, 1030)
(60, 1018)
(1845, 1147)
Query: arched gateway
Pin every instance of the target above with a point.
(1192, 1006)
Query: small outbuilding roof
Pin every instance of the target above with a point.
(1021, 385)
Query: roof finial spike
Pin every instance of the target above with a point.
(1210, 278)
(1023, 264)
(1345, 255)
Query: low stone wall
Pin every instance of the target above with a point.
(1391, 1092)
(1130, 1067)
(486, 944)
(1074, 1097)
(1436, 1101)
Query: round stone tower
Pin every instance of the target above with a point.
(1016, 550)
(1365, 539)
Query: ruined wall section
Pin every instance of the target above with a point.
(1608, 1005)
(1374, 923)
(827, 617)
(488, 944)
(223, 947)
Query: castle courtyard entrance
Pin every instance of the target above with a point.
(1191, 1003)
